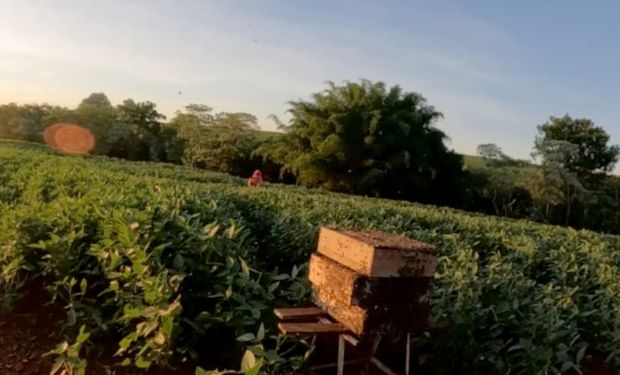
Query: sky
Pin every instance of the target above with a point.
(495, 69)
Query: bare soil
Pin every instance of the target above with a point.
(33, 328)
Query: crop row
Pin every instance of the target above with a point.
(170, 264)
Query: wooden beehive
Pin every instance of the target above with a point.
(377, 254)
(372, 282)
(355, 289)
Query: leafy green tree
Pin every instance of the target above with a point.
(499, 184)
(23, 122)
(491, 151)
(556, 184)
(498, 191)
(222, 141)
(593, 154)
(148, 138)
(96, 100)
(603, 214)
(230, 143)
(364, 138)
(190, 126)
(201, 114)
(97, 113)
(495, 156)
(575, 155)
(141, 114)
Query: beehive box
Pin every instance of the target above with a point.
(377, 254)
(373, 282)
(370, 320)
(354, 289)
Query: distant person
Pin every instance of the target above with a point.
(256, 179)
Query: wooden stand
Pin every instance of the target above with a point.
(365, 283)
(313, 320)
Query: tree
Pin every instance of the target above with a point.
(575, 156)
(141, 114)
(198, 114)
(491, 151)
(148, 139)
(222, 141)
(363, 138)
(556, 184)
(96, 100)
(498, 191)
(24, 122)
(498, 183)
(96, 113)
(495, 156)
(592, 155)
(230, 143)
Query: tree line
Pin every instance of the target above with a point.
(196, 136)
(571, 184)
(359, 138)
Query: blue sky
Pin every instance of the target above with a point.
(495, 69)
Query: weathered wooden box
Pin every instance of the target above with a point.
(372, 282)
(375, 319)
(354, 289)
(377, 254)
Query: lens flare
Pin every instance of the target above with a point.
(69, 138)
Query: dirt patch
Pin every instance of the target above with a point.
(29, 331)
(33, 328)
(594, 364)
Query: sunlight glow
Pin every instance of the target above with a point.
(69, 138)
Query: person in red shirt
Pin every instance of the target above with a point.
(256, 179)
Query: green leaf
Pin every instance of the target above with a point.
(142, 362)
(273, 287)
(256, 369)
(82, 336)
(294, 272)
(57, 365)
(580, 354)
(211, 230)
(246, 337)
(127, 340)
(178, 262)
(71, 317)
(83, 285)
(566, 366)
(244, 268)
(130, 312)
(248, 361)
(261, 332)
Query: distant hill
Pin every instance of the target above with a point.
(474, 162)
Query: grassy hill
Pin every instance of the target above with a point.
(474, 162)
(199, 260)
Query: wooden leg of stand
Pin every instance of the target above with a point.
(408, 354)
(341, 344)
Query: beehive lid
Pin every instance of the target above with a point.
(373, 253)
(383, 240)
